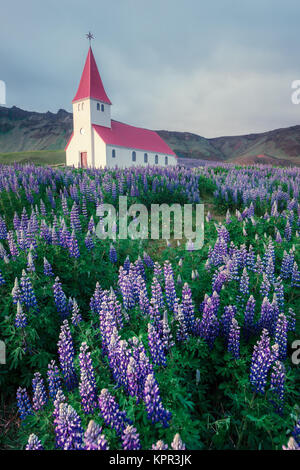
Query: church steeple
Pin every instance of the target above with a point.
(91, 85)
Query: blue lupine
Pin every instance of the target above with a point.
(66, 356)
(21, 319)
(249, 317)
(262, 359)
(94, 439)
(291, 317)
(111, 413)
(155, 410)
(281, 336)
(34, 443)
(68, 429)
(277, 387)
(54, 380)
(130, 439)
(76, 316)
(2, 280)
(295, 281)
(156, 346)
(23, 403)
(87, 385)
(39, 399)
(47, 268)
(296, 432)
(234, 339)
(73, 246)
(27, 294)
(60, 299)
(188, 307)
(113, 254)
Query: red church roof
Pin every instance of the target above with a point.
(91, 85)
(124, 135)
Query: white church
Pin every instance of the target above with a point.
(99, 141)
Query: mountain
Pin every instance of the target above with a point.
(25, 130)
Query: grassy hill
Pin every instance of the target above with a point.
(39, 157)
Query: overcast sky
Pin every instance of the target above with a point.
(217, 67)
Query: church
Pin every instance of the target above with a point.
(99, 141)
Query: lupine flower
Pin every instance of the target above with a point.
(244, 283)
(73, 246)
(227, 317)
(177, 443)
(155, 410)
(89, 241)
(277, 386)
(93, 437)
(21, 319)
(148, 260)
(27, 294)
(160, 445)
(291, 317)
(262, 359)
(54, 380)
(249, 317)
(66, 356)
(34, 443)
(76, 316)
(47, 268)
(87, 385)
(281, 336)
(2, 280)
(156, 346)
(60, 299)
(39, 392)
(130, 439)
(113, 254)
(188, 307)
(234, 339)
(296, 432)
(23, 403)
(295, 282)
(68, 429)
(291, 445)
(111, 413)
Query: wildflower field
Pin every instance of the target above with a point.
(142, 344)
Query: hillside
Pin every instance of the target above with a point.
(22, 131)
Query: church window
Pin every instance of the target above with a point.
(146, 157)
(166, 160)
(113, 153)
(134, 156)
(98, 106)
(102, 108)
(156, 159)
(82, 105)
(78, 106)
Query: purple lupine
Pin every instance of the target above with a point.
(39, 399)
(169, 284)
(177, 443)
(266, 315)
(93, 437)
(30, 263)
(265, 286)
(47, 268)
(130, 439)
(133, 378)
(89, 241)
(111, 413)
(234, 339)
(68, 429)
(16, 292)
(249, 317)
(66, 356)
(156, 291)
(280, 338)
(295, 281)
(23, 403)
(277, 386)
(166, 335)
(291, 317)
(244, 283)
(279, 291)
(155, 410)
(226, 319)
(188, 307)
(76, 316)
(3, 229)
(148, 260)
(74, 217)
(296, 432)
(34, 443)
(156, 346)
(21, 319)
(262, 359)
(87, 385)
(60, 299)
(126, 289)
(54, 380)
(73, 246)
(113, 254)
(27, 294)
(12, 245)
(160, 445)
(2, 280)
(208, 327)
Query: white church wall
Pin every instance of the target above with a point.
(99, 117)
(99, 151)
(123, 157)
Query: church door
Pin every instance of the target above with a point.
(83, 159)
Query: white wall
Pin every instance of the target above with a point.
(124, 157)
(100, 118)
(99, 150)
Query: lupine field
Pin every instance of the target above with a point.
(142, 344)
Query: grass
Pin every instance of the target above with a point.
(39, 157)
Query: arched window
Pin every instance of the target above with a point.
(156, 159)
(82, 105)
(98, 106)
(102, 107)
(78, 106)
(166, 160)
(133, 156)
(146, 157)
(113, 153)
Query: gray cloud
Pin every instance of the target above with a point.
(213, 68)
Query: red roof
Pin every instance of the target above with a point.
(124, 135)
(91, 85)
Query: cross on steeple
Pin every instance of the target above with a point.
(90, 36)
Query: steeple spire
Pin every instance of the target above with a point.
(91, 85)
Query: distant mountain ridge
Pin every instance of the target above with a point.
(26, 130)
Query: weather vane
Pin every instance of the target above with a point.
(90, 36)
